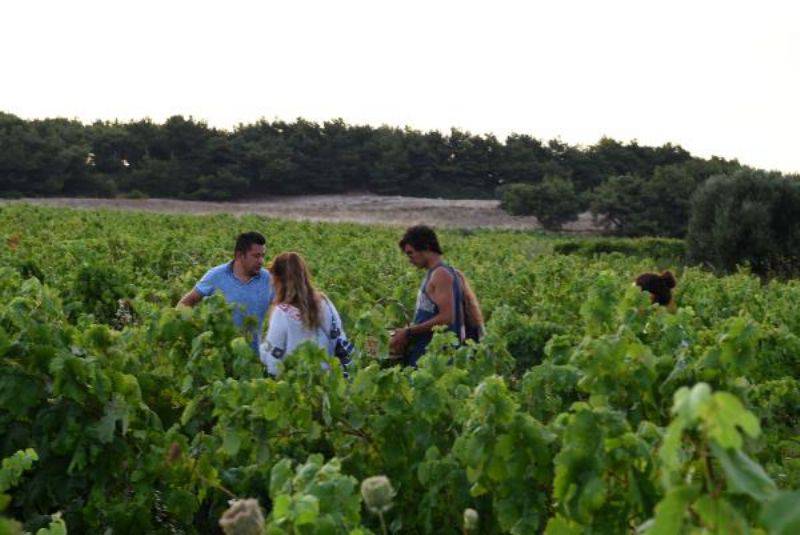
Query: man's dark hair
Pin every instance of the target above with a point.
(245, 240)
(421, 238)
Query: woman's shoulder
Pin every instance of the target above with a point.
(287, 310)
(326, 304)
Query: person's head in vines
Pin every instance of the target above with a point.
(249, 252)
(293, 286)
(659, 286)
(421, 246)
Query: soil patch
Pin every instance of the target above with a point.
(360, 208)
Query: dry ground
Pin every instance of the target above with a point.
(387, 210)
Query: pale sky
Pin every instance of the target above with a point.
(717, 77)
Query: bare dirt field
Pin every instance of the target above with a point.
(358, 208)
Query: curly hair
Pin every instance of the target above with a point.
(421, 238)
(659, 286)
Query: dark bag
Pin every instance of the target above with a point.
(471, 318)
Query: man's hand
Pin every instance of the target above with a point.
(190, 299)
(398, 342)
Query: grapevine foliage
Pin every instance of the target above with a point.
(584, 410)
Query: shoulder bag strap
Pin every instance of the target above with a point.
(334, 327)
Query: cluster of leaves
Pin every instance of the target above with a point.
(11, 471)
(585, 409)
(316, 494)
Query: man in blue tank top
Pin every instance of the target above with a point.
(439, 301)
(243, 281)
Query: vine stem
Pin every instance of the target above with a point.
(214, 485)
(713, 484)
(352, 430)
(219, 486)
(383, 523)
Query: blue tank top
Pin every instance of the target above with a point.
(426, 309)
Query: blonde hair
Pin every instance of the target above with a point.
(293, 287)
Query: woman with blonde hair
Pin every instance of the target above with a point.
(300, 313)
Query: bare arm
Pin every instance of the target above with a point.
(191, 298)
(440, 290)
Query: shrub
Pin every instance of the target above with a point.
(515, 198)
(656, 205)
(553, 201)
(618, 204)
(525, 337)
(656, 248)
(748, 218)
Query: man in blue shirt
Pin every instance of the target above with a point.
(243, 281)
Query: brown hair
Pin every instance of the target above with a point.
(294, 287)
(421, 238)
(659, 286)
(245, 240)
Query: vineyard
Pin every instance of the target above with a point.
(584, 410)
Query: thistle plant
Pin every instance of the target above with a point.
(471, 519)
(378, 493)
(243, 517)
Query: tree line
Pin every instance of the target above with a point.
(186, 158)
(634, 189)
